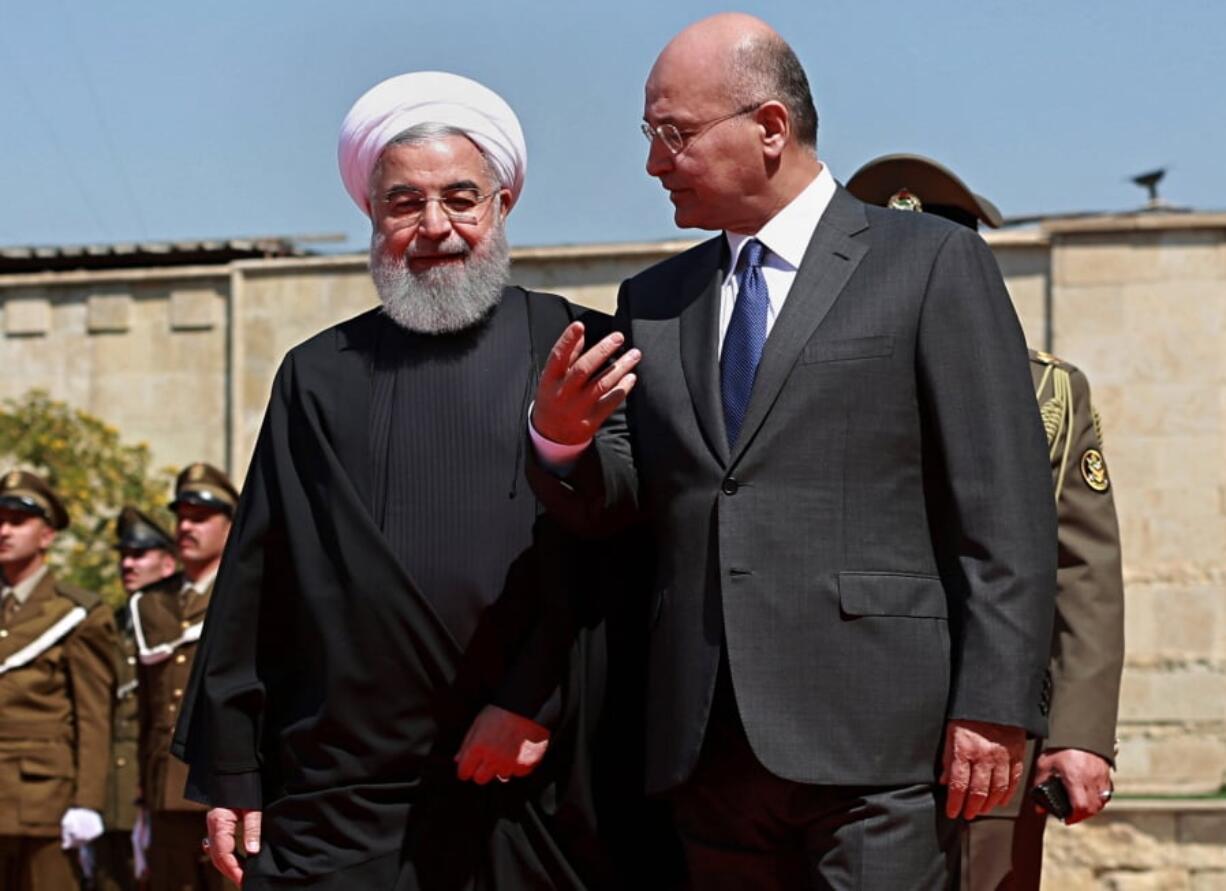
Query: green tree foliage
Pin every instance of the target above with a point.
(93, 472)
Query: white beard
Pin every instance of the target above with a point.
(444, 299)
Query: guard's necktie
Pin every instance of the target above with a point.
(9, 606)
(744, 339)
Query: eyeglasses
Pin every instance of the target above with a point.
(458, 205)
(677, 140)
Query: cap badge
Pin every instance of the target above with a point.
(904, 199)
(195, 473)
(1094, 470)
(13, 480)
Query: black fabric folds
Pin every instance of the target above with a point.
(332, 692)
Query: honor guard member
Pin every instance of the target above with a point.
(167, 618)
(57, 683)
(1004, 850)
(146, 555)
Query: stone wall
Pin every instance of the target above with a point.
(183, 359)
(1140, 846)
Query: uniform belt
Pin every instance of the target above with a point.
(59, 730)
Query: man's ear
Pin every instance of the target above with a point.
(776, 126)
(46, 536)
(504, 202)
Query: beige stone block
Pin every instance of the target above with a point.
(1157, 880)
(108, 313)
(195, 308)
(27, 316)
(1190, 763)
(1097, 258)
(1209, 880)
(1158, 694)
(1170, 526)
(1068, 878)
(1175, 622)
(1203, 828)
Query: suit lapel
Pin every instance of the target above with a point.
(831, 258)
(699, 345)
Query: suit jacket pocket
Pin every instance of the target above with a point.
(876, 347)
(892, 594)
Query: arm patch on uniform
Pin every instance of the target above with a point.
(1094, 470)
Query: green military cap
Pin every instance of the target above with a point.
(28, 492)
(135, 531)
(913, 182)
(205, 485)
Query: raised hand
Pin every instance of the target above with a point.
(578, 390)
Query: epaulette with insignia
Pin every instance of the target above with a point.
(82, 598)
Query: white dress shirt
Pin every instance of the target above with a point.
(785, 236)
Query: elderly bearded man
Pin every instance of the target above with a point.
(390, 630)
(835, 442)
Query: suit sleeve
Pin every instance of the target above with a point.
(1088, 644)
(90, 652)
(988, 474)
(599, 497)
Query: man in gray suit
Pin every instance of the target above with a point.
(834, 442)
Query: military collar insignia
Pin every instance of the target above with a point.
(1094, 470)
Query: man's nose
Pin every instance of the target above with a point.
(659, 158)
(435, 225)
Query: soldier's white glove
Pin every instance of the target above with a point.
(78, 827)
(140, 843)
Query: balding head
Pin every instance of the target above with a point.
(742, 60)
(737, 129)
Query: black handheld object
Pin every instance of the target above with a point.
(1053, 797)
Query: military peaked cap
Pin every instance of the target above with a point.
(913, 182)
(205, 485)
(136, 531)
(28, 492)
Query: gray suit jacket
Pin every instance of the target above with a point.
(876, 552)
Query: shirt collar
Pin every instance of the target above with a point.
(23, 589)
(199, 586)
(786, 235)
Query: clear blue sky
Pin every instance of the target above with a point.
(161, 119)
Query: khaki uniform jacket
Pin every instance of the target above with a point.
(123, 781)
(1082, 691)
(1088, 638)
(160, 618)
(55, 708)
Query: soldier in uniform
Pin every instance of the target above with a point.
(57, 684)
(1004, 849)
(167, 618)
(146, 555)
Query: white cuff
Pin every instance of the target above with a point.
(557, 458)
(79, 826)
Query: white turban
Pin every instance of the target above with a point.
(388, 109)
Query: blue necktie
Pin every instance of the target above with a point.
(744, 339)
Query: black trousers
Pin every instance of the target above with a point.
(743, 827)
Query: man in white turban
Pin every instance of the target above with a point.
(388, 689)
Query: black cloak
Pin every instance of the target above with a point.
(329, 693)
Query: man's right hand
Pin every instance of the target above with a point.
(576, 392)
(222, 823)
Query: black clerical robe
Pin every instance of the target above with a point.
(334, 685)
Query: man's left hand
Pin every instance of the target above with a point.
(982, 766)
(1086, 777)
(500, 745)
